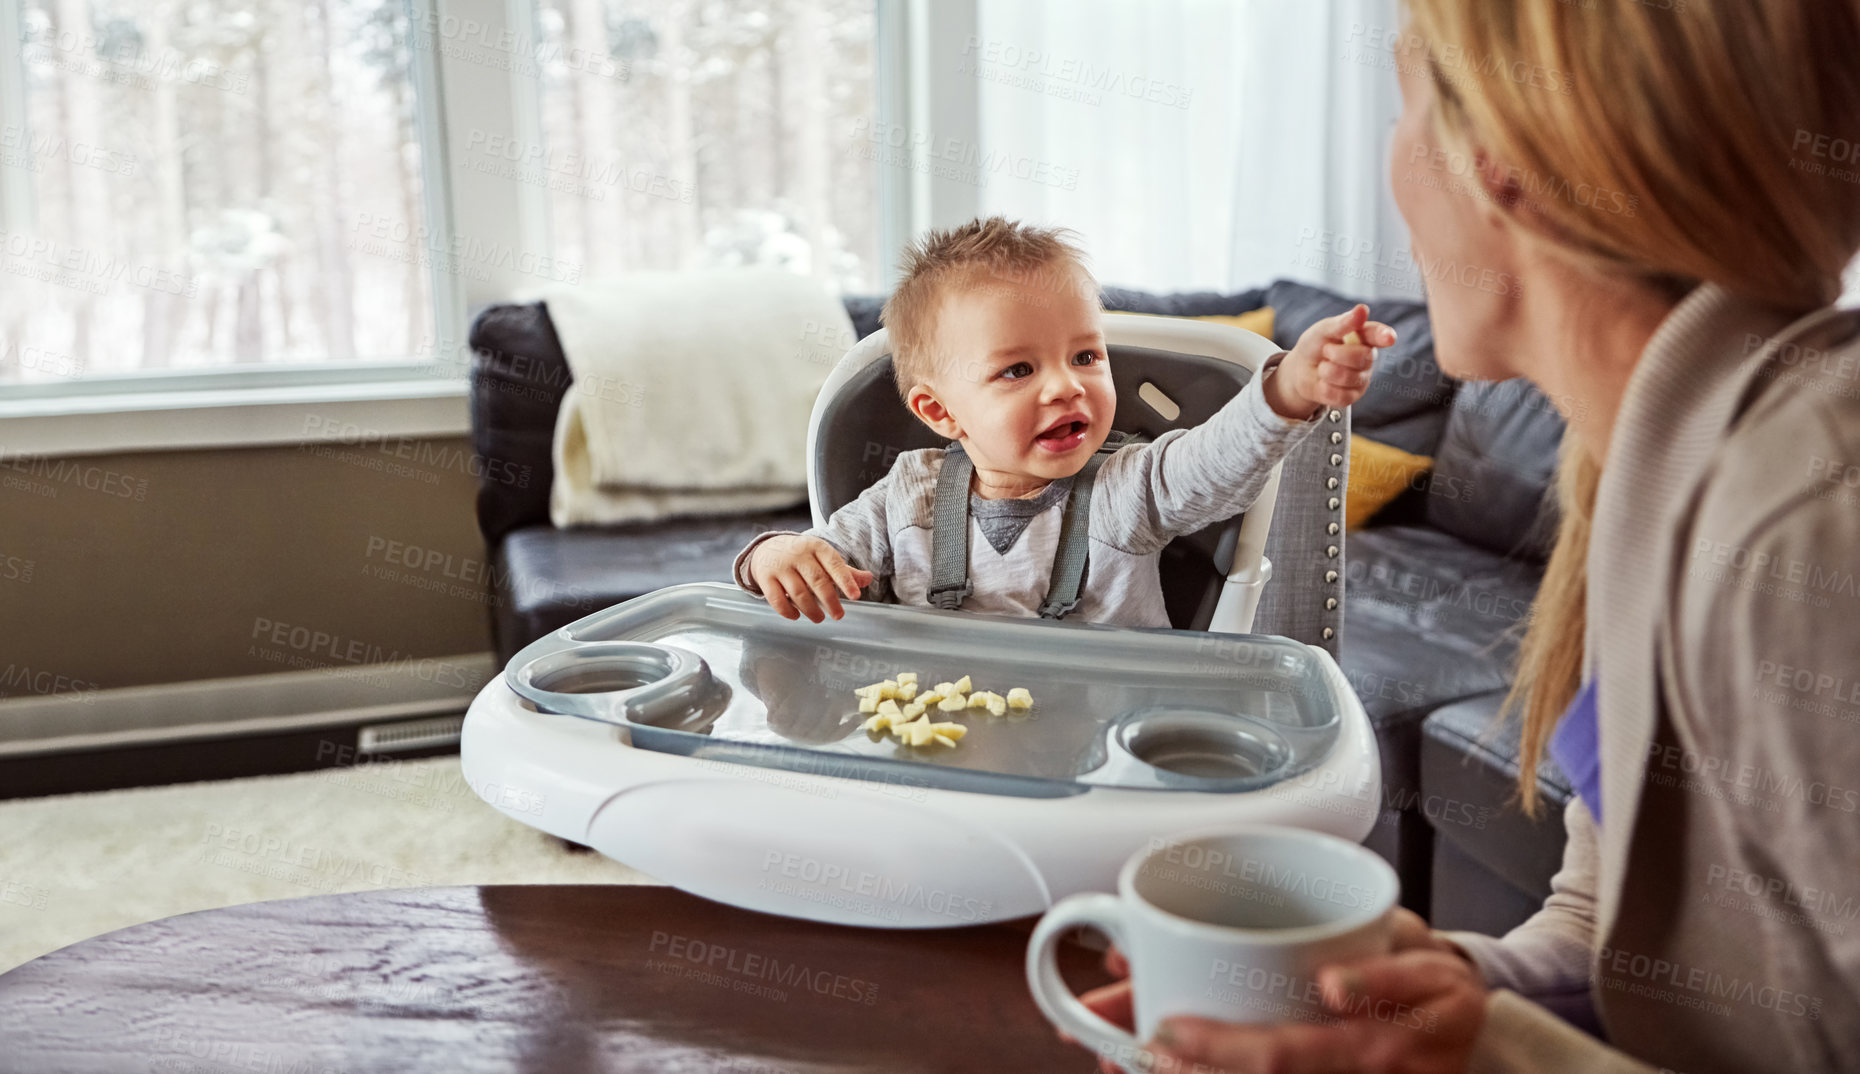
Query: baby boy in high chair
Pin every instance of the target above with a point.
(997, 345)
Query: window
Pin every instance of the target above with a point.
(213, 184)
(684, 134)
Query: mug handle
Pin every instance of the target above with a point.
(1056, 1001)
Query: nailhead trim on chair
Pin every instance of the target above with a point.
(1335, 503)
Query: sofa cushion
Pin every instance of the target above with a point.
(1183, 304)
(1428, 620)
(545, 578)
(1469, 774)
(864, 311)
(1405, 405)
(1493, 469)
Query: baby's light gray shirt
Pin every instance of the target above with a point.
(1145, 495)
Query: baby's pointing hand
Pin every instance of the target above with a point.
(1330, 365)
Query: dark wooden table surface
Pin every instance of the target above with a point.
(554, 979)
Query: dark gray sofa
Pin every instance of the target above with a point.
(1437, 587)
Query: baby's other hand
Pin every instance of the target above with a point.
(801, 575)
(1323, 370)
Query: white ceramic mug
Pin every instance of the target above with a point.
(1230, 923)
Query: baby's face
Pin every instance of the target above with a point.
(1021, 378)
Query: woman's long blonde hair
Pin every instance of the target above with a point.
(1669, 141)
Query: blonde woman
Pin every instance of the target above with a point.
(1675, 183)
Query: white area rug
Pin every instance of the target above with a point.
(77, 865)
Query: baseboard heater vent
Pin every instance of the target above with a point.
(410, 735)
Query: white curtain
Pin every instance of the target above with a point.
(1199, 144)
(1132, 107)
(1313, 199)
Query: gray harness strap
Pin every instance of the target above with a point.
(949, 536)
(1062, 589)
(949, 533)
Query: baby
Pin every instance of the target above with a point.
(998, 346)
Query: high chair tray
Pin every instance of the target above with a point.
(708, 671)
(699, 737)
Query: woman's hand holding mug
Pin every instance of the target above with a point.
(1416, 1010)
(1263, 949)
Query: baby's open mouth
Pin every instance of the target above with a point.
(1064, 435)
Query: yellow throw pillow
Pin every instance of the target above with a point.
(1258, 321)
(1378, 474)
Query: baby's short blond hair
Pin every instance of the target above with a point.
(969, 256)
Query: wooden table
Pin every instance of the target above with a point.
(551, 979)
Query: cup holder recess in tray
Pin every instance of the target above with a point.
(1194, 748)
(621, 682)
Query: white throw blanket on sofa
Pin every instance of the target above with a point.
(691, 392)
